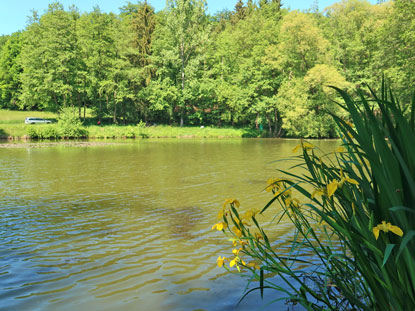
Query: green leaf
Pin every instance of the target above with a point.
(408, 236)
(387, 254)
(401, 208)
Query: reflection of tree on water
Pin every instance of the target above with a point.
(183, 221)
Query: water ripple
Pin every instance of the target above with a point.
(116, 227)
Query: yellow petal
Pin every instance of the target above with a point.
(316, 193)
(258, 236)
(236, 251)
(237, 232)
(220, 226)
(376, 232)
(227, 201)
(248, 215)
(296, 148)
(231, 201)
(232, 263)
(351, 181)
(332, 187)
(308, 146)
(243, 243)
(396, 230)
(220, 261)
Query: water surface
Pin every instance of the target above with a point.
(127, 226)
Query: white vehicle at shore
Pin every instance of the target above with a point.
(32, 120)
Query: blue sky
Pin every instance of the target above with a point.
(14, 13)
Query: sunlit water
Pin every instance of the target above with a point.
(127, 226)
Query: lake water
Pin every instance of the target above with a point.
(127, 226)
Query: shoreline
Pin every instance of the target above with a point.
(43, 144)
(18, 142)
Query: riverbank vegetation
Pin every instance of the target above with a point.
(352, 209)
(67, 125)
(257, 66)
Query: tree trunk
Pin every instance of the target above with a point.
(79, 106)
(100, 111)
(115, 108)
(55, 100)
(276, 118)
(269, 126)
(123, 113)
(84, 111)
(183, 78)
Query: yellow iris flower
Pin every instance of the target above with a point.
(235, 242)
(292, 201)
(318, 191)
(332, 187)
(250, 213)
(231, 201)
(386, 227)
(344, 179)
(258, 236)
(273, 184)
(334, 184)
(237, 232)
(304, 146)
(220, 226)
(236, 251)
(221, 261)
(235, 261)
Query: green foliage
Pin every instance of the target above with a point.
(69, 125)
(352, 209)
(304, 102)
(50, 59)
(182, 66)
(43, 132)
(353, 28)
(10, 70)
(398, 31)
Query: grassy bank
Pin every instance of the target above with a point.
(165, 131)
(12, 126)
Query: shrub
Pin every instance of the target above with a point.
(32, 132)
(43, 132)
(353, 209)
(69, 124)
(142, 131)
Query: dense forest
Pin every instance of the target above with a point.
(258, 65)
